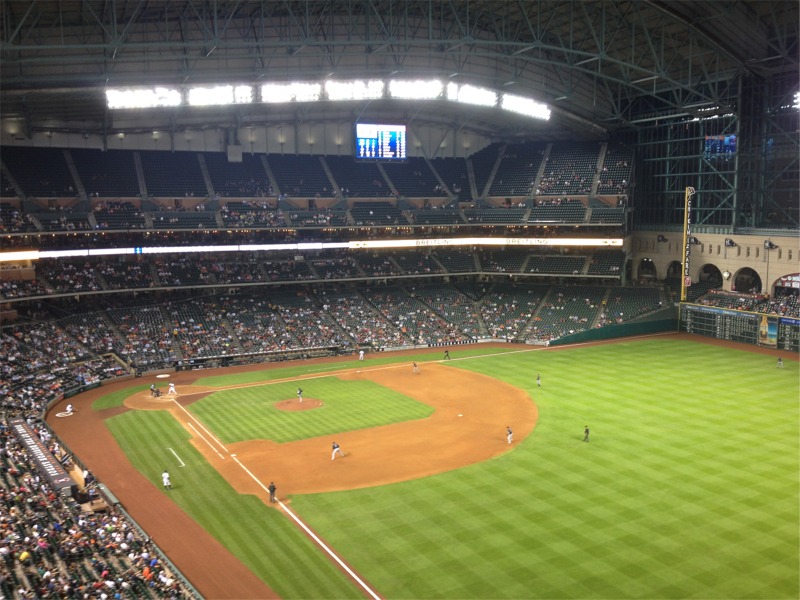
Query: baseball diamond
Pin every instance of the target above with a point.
(402, 482)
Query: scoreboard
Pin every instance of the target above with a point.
(771, 331)
(380, 142)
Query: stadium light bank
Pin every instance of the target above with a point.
(330, 90)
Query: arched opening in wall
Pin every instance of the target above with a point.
(647, 272)
(748, 281)
(709, 278)
(674, 270)
(787, 294)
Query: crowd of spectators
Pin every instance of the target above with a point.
(252, 213)
(784, 304)
(51, 546)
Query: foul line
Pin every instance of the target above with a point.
(203, 427)
(189, 423)
(311, 534)
(330, 552)
(404, 365)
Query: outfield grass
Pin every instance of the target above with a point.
(688, 488)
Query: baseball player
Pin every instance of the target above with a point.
(360, 355)
(300, 394)
(172, 391)
(509, 434)
(165, 480)
(336, 449)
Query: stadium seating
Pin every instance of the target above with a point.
(118, 215)
(518, 169)
(453, 172)
(414, 179)
(565, 310)
(626, 303)
(456, 260)
(173, 174)
(251, 213)
(570, 170)
(109, 174)
(360, 320)
(556, 264)
(193, 219)
(377, 213)
(64, 220)
(12, 219)
(507, 309)
(413, 262)
(318, 218)
(246, 179)
(609, 263)
(126, 274)
(412, 317)
(610, 215)
(300, 176)
(483, 162)
(616, 172)
(492, 216)
(357, 179)
(437, 216)
(25, 165)
(68, 276)
(343, 267)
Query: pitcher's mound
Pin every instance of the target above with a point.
(294, 405)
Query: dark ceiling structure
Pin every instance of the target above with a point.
(602, 66)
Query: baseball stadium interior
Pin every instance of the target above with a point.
(187, 185)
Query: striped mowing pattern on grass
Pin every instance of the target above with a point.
(266, 541)
(250, 414)
(688, 489)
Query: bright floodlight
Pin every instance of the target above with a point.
(470, 94)
(354, 90)
(206, 96)
(143, 98)
(290, 92)
(524, 106)
(243, 94)
(415, 90)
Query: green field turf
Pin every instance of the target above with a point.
(248, 413)
(687, 489)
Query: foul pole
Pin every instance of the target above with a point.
(686, 280)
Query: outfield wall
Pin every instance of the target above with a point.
(657, 322)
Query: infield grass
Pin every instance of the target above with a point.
(687, 489)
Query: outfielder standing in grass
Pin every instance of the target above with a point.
(165, 480)
(586, 433)
(335, 450)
